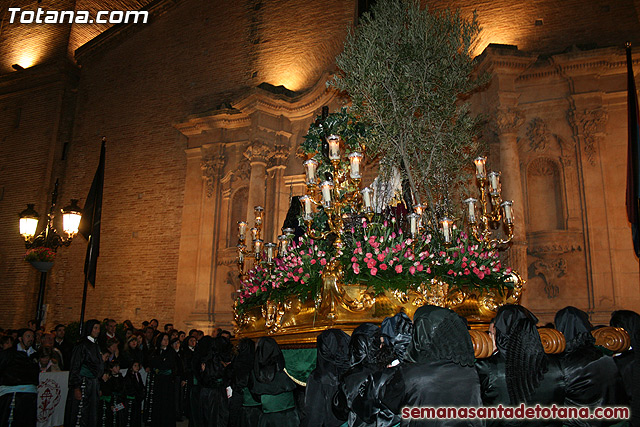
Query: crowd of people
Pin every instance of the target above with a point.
(365, 379)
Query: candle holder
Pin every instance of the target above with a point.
(492, 211)
(338, 197)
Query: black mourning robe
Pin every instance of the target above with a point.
(433, 384)
(244, 410)
(272, 387)
(493, 383)
(112, 395)
(396, 332)
(86, 370)
(592, 379)
(437, 370)
(332, 361)
(364, 347)
(134, 395)
(18, 369)
(161, 399)
(214, 405)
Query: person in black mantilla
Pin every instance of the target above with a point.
(437, 371)
(519, 371)
(592, 378)
(364, 351)
(331, 362)
(629, 362)
(161, 401)
(19, 382)
(214, 404)
(396, 333)
(87, 367)
(273, 387)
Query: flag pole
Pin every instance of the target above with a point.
(84, 296)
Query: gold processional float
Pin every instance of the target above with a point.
(434, 264)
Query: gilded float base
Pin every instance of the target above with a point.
(346, 306)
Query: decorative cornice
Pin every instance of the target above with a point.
(258, 99)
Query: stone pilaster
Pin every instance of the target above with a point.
(506, 123)
(258, 153)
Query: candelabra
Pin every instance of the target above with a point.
(268, 257)
(334, 195)
(494, 210)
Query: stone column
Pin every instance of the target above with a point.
(258, 154)
(506, 123)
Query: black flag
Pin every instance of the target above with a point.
(90, 222)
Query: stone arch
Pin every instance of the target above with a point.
(544, 195)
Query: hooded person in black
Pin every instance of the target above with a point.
(437, 370)
(87, 367)
(396, 333)
(364, 352)
(331, 362)
(592, 379)
(244, 409)
(629, 362)
(19, 382)
(214, 404)
(519, 371)
(271, 384)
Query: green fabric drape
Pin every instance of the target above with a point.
(300, 362)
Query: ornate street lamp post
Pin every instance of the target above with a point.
(48, 240)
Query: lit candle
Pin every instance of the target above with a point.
(334, 147)
(494, 183)
(306, 207)
(258, 214)
(366, 198)
(413, 224)
(270, 248)
(419, 210)
(354, 160)
(326, 188)
(480, 170)
(257, 248)
(242, 229)
(446, 229)
(311, 168)
(283, 243)
(471, 205)
(507, 208)
(254, 233)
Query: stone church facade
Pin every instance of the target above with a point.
(204, 108)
